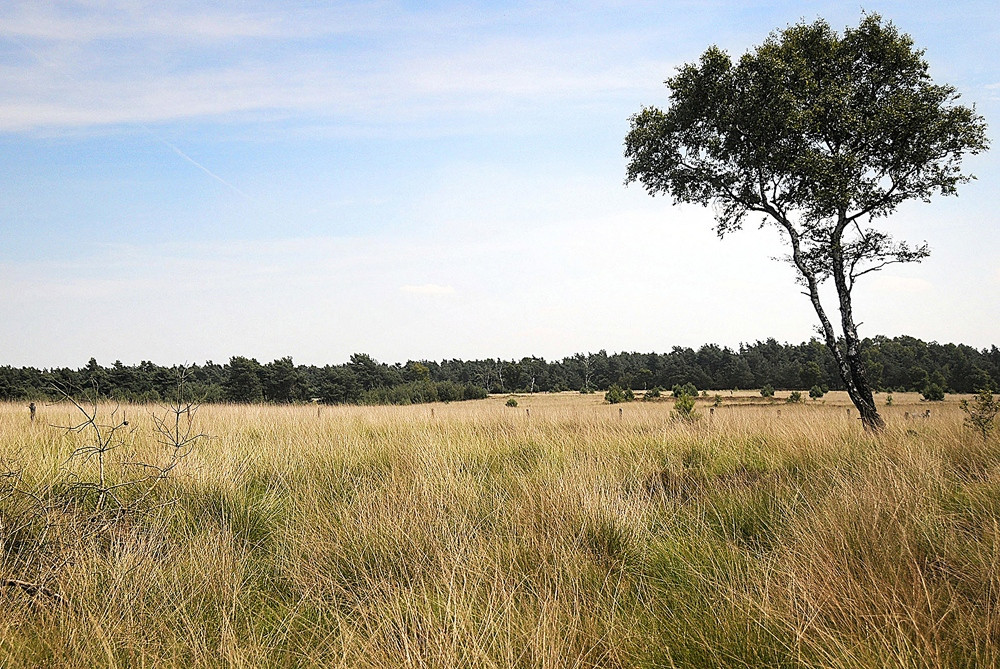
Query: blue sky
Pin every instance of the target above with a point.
(193, 180)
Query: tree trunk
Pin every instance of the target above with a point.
(853, 371)
(851, 367)
(849, 363)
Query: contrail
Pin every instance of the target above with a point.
(197, 164)
(51, 66)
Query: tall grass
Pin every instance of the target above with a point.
(488, 536)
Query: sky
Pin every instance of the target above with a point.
(188, 181)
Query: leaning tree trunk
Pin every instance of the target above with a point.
(852, 369)
(849, 362)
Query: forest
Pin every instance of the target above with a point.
(899, 364)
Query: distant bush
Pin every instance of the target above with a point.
(511, 402)
(816, 392)
(474, 392)
(617, 395)
(767, 391)
(688, 389)
(932, 392)
(652, 394)
(795, 397)
(421, 392)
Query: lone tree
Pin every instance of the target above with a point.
(821, 134)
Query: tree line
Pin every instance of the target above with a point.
(897, 364)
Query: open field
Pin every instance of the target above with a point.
(556, 534)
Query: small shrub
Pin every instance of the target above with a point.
(652, 394)
(795, 397)
(615, 395)
(767, 391)
(981, 412)
(816, 392)
(718, 401)
(888, 400)
(684, 406)
(933, 393)
(511, 402)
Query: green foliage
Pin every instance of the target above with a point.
(243, 384)
(718, 401)
(899, 364)
(511, 402)
(687, 389)
(933, 393)
(816, 392)
(837, 122)
(470, 391)
(811, 374)
(418, 371)
(652, 394)
(888, 401)
(616, 395)
(795, 397)
(684, 406)
(767, 391)
(981, 413)
(421, 392)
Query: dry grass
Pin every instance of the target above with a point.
(488, 536)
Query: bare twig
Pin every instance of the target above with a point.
(34, 589)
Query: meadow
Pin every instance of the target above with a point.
(560, 533)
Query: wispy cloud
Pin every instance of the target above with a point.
(85, 64)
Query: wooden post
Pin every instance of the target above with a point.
(711, 411)
(619, 412)
(906, 415)
(31, 407)
(527, 412)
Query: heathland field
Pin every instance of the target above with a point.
(560, 533)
